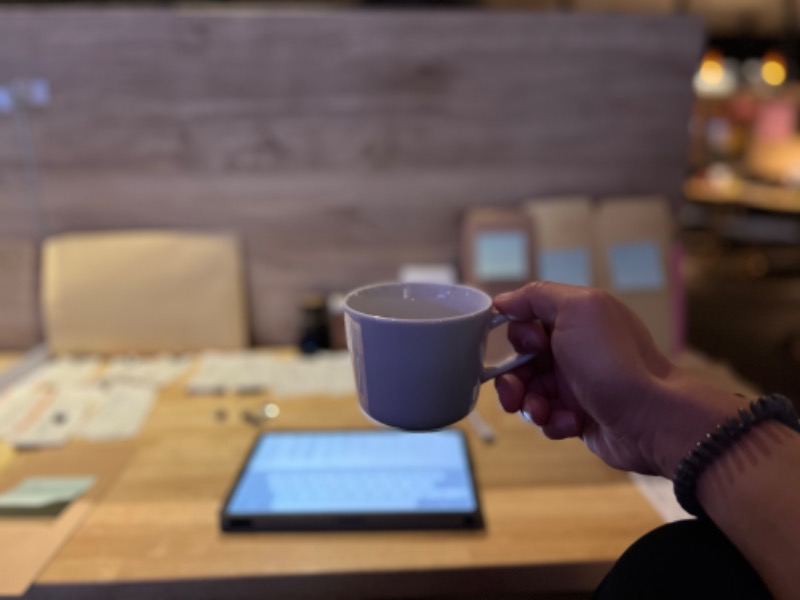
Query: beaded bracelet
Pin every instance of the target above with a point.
(771, 407)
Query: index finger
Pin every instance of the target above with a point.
(536, 300)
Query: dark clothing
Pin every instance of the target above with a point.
(682, 561)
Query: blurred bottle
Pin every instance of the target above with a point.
(314, 321)
(336, 329)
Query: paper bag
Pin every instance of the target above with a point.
(633, 238)
(564, 239)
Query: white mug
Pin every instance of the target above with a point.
(417, 351)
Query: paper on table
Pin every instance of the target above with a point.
(326, 372)
(34, 417)
(121, 414)
(63, 371)
(20, 406)
(565, 265)
(230, 372)
(58, 422)
(636, 266)
(157, 371)
(35, 492)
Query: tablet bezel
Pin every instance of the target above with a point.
(471, 520)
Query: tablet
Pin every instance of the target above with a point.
(345, 480)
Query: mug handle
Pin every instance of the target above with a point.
(505, 365)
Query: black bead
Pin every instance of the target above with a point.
(717, 437)
(690, 466)
(759, 409)
(774, 407)
(746, 419)
(705, 452)
(732, 428)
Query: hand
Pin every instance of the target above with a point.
(599, 376)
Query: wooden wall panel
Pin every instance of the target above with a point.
(339, 144)
(19, 323)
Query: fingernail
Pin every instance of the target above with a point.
(503, 296)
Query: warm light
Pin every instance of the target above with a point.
(712, 71)
(773, 68)
(773, 72)
(716, 77)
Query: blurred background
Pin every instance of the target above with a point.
(338, 155)
(188, 190)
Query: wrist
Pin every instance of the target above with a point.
(709, 453)
(690, 409)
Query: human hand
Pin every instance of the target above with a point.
(600, 377)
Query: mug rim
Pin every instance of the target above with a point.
(394, 284)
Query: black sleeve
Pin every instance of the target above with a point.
(682, 560)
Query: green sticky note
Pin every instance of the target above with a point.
(38, 492)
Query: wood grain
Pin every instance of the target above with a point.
(34, 541)
(556, 519)
(19, 322)
(338, 144)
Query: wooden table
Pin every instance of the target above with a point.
(556, 518)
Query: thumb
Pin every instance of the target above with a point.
(537, 300)
(528, 337)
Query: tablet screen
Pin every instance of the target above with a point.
(355, 473)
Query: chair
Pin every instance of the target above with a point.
(142, 292)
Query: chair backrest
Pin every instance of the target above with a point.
(142, 291)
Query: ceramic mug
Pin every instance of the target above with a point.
(417, 351)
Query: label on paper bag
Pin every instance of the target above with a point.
(565, 265)
(636, 267)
